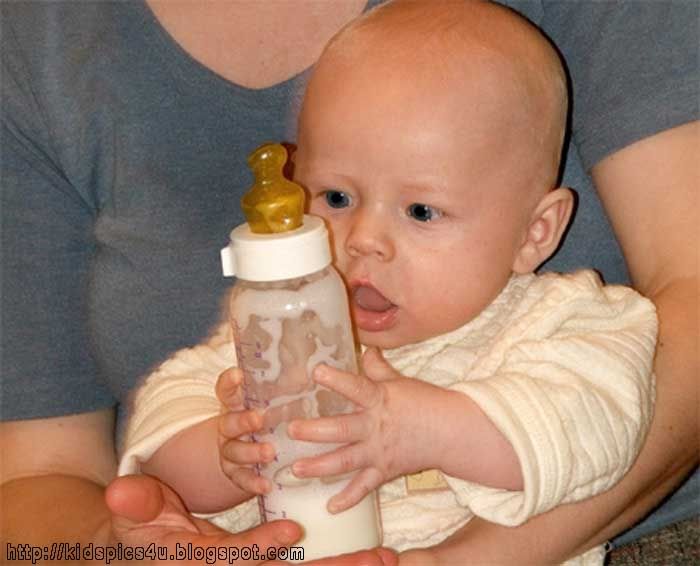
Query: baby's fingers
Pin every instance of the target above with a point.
(246, 478)
(362, 484)
(376, 367)
(228, 388)
(357, 388)
(239, 423)
(344, 459)
(245, 453)
(341, 429)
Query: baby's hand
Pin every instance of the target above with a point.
(383, 438)
(237, 453)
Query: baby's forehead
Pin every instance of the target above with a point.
(441, 40)
(474, 68)
(478, 94)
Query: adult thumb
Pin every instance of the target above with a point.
(136, 498)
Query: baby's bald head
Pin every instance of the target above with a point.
(477, 62)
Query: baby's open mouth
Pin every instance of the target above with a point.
(372, 311)
(370, 299)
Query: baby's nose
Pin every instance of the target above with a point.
(370, 236)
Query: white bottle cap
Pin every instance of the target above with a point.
(273, 257)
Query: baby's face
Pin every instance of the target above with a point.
(420, 194)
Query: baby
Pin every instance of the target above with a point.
(429, 140)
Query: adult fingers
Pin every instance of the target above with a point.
(145, 510)
(138, 499)
(268, 535)
(251, 547)
(374, 557)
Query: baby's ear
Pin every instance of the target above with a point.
(547, 225)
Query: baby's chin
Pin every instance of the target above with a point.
(385, 340)
(404, 334)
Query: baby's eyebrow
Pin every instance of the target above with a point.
(427, 185)
(327, 176)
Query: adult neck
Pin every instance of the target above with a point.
(251, 43)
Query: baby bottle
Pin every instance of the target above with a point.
(289, 312)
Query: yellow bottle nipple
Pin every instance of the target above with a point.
(273, 204)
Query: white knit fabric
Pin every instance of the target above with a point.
(561, 364)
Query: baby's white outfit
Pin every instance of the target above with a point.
(561, 364)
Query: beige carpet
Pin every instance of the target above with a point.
(676, 545)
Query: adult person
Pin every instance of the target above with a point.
(125, 127)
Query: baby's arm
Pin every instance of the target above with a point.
(401, 428)
(175, 424)
(574, 395)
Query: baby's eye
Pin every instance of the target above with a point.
(423, 212)
(337, 199)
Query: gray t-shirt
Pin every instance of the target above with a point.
(123, 162)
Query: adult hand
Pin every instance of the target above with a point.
(146, 513)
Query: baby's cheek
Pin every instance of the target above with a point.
(340, 261)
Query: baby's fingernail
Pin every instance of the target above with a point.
(298, 469)
(333, 506)
(256, 418)
(268, 452)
